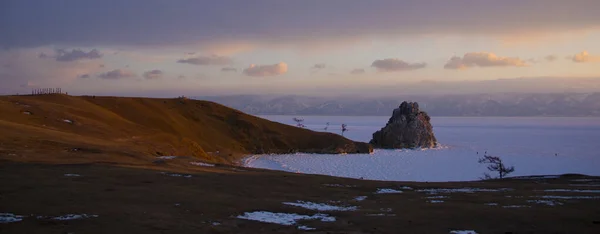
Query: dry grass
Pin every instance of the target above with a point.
(130, 130)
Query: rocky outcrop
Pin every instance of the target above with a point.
(407, 128)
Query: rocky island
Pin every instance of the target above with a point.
(408, 127)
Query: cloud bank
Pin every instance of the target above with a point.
(32, 23)
(266, 70)
(483, 59)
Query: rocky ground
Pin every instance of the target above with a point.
(92, 198)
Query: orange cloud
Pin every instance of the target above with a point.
(585, 57)
(483, 59)
(266, 70)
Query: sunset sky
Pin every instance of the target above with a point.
(159, 47)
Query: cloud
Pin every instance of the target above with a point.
(229, 69)
(24, 65)
(319, 66)
(551, 58)
(585, 57)
(207, 60)
(154, 74)
(192, 22)
(392, 64)
(116, 74)
(266, 70)
(358, 71)
(84, 76)
(483, 59)
(62, 55)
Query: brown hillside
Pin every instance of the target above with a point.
(77, 129)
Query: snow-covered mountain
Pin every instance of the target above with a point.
(505, 104)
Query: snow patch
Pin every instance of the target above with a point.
(436, 197)
(460, 190)
(320, 206)
(283, 218)
(176, 175)
(572, 190)
(387, 190)
(216, 223)
(463, 232)
(546, 202)
(72, 175)
(166, 157)
(491, 204)
(74, 216)
(306, 228)
(10, 218)
(202, 164)
(386, 209)
(436, 201)
(360, 198)
(27, 112)
(67, 121)
(515, 206)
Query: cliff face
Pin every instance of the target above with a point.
(407, 128)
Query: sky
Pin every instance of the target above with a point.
(314, 47)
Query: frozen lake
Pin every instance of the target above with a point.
(535, 146)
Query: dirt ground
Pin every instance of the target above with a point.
(166, 199)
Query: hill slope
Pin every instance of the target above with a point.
(61, 128)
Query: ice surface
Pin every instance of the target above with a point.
(387, 190)
(360, 198)
(306, 228)
(10, 218)
(572, 190)
(463, 232)
(74, 216)
(202, 164)
(320, 206)
(166, 157)
(535, 146)
(283, 218)
(72, 175)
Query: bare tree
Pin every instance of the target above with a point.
(495, 164)
(344, 129)
(299, 122)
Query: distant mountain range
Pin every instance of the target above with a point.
(506, 104)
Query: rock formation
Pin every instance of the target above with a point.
(407, 128)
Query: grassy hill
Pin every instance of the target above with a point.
(81, 129)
